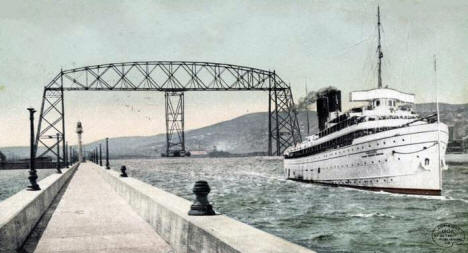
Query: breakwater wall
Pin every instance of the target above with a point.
(20, 213)
(168, 215)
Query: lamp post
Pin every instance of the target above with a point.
(67, 159)
(32, 165)
(59, 171)
(100, 154)
(107, 154)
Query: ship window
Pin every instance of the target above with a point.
(426, 161)
(377, 103)
(318, 170)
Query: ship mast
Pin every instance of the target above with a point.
(379, 51)
(307, 110)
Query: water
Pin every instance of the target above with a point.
(323, 218)
(13, 181)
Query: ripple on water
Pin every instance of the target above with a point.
(326, 219)
(13, 181)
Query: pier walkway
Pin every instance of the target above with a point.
(92, 217)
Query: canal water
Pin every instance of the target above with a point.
(13, 181)
(322, 218)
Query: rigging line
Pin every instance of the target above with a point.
(347, 49)
(438, 119)
(412, 152)
(405, 65)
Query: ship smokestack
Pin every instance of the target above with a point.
(328, 101)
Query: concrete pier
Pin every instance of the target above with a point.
(91, 217)
(91, 209)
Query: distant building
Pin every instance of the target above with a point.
(199, 153)
(2, 157)
(457, 142)
(451, 133)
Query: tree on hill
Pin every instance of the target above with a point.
(2, 157)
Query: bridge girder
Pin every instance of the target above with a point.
(170, 77)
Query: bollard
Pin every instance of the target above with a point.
(32, 165)
(100, 154)
(201, 205)
(123, 169)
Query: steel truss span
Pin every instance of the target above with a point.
(173, 78)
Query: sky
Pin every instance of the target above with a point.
(318, 43)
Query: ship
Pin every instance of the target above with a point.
(380, 146)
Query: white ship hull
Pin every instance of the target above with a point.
(402, 160)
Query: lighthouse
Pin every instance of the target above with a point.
(79, 131)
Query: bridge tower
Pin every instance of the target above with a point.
(175, 139)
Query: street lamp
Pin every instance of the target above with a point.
(32, 165)
(59, 171)
(107, 154)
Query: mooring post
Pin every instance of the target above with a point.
(201, 205)
(107, 154)
(58, 154)
(100, 154)
(32, 161)
(123, 169)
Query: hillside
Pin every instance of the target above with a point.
(247, 133)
